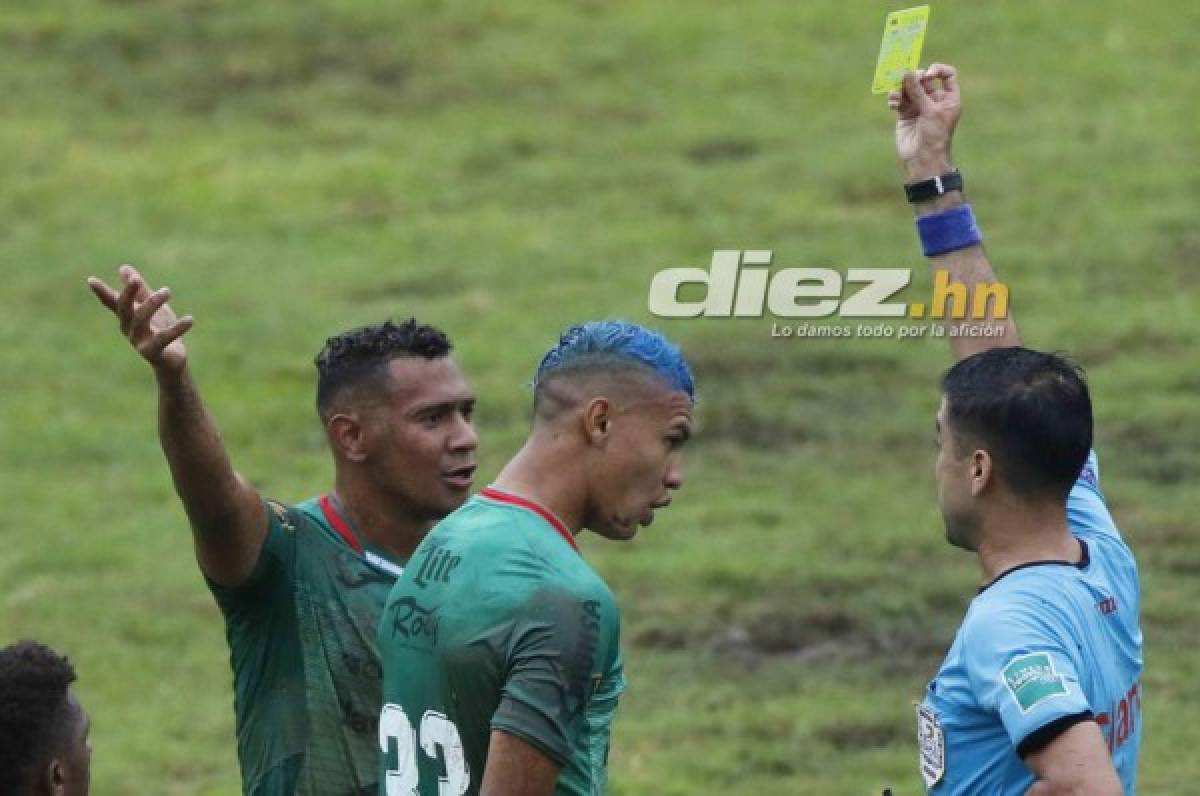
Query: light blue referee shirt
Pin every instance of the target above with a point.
(1045, 645)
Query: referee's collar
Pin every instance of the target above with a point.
(1084, 560)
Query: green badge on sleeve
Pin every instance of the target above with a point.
(1032, 678)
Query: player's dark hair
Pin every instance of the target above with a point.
(1030, 410)
(33, 710)
(360, 356)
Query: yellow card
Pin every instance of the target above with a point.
(903, 35)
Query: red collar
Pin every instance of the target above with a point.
(514, 500)
(339, 524)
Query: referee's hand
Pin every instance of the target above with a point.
(927, 108)
(146, 319)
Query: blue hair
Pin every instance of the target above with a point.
(614, 343)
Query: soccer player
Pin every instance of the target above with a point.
(1040, 692)
(44, 746)
(500, 644)
(301, 587)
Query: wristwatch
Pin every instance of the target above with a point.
(934, 187)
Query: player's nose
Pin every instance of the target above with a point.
(674, 477)
(463, 437)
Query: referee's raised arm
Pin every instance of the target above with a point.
(1019, 704)
(927, 109)
(227, 516)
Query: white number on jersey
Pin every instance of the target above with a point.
(436, 730)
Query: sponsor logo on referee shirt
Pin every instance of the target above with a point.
(1032, 679)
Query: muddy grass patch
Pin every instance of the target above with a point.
(1160, 453)
(820, 636)
(1130, 344)
(852, 736)
(742, 425)
(434, 284)
(716, 150)
(719, 360)
(750, 400)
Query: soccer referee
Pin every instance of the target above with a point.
(1040, 692)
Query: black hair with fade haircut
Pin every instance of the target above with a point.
(360, 356)
(1031, 410)
(33, 709)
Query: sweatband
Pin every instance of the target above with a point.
(948, 231)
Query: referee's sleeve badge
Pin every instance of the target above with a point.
(1032, 679)
(931, 743)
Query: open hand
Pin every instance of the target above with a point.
(146, 318)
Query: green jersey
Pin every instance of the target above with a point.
(306, 674)
(497, 624)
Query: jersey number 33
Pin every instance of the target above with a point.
(435, 731)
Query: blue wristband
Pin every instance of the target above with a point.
(948, 231)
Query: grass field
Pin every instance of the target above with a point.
(290, 169)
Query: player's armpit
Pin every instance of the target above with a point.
(1075, 763)
(517, 768)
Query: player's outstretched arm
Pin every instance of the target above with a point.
(1075, 763)
(517, 768)
(927, 109)
(228, 519)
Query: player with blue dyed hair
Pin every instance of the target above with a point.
(616, 344)
(500, 644)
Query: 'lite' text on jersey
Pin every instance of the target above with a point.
(497, 624)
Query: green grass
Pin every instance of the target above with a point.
(293, 169)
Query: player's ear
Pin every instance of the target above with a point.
(982, 472)
(55, 778)
(597, 420)
(347, 435)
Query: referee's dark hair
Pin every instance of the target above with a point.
(1030, 410)
(359, 357)
(34, 711)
